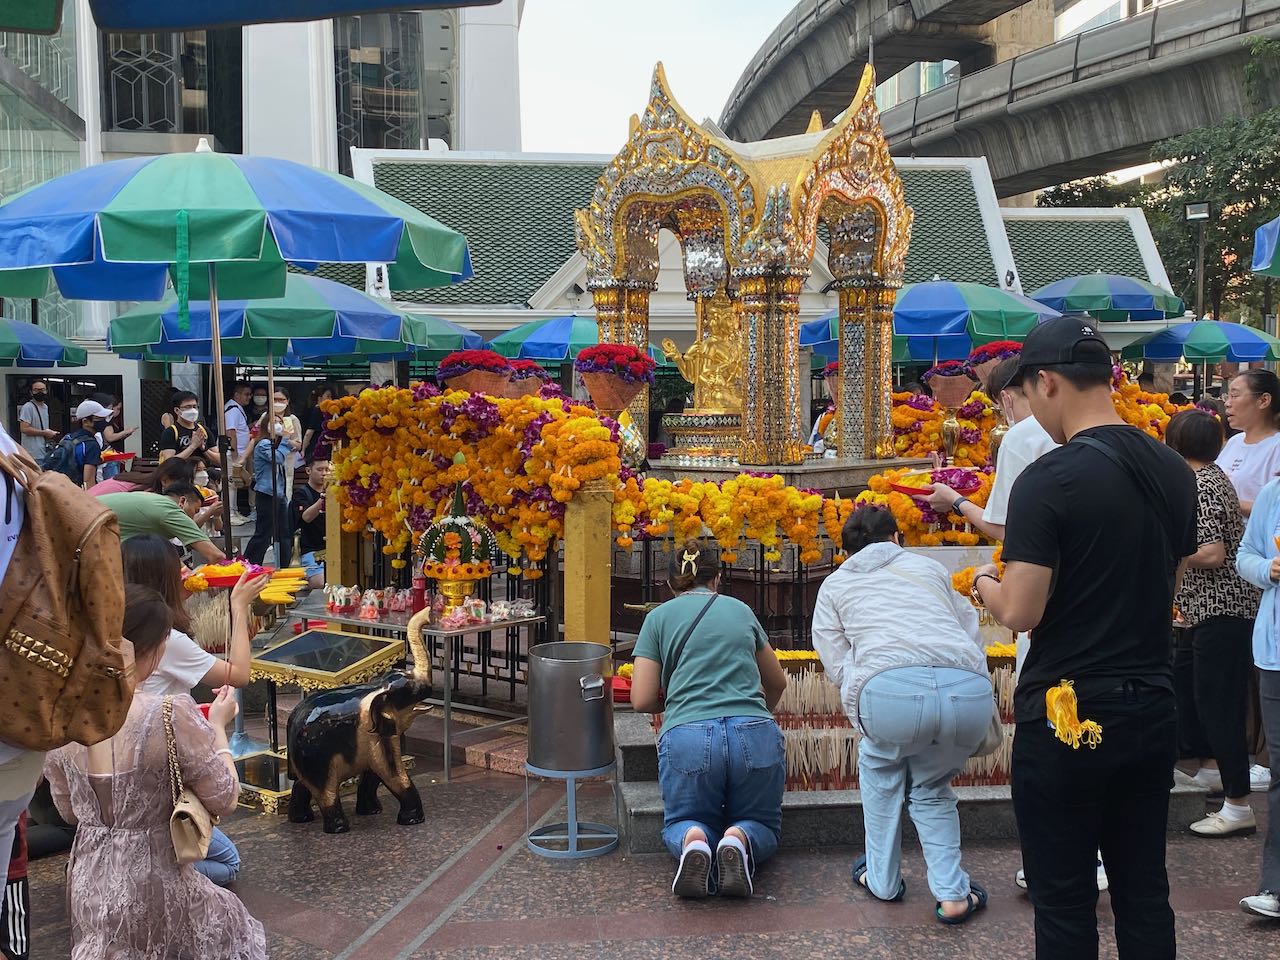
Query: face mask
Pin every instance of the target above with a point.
(191, 416)
(100, 424)
(279, 407)
(38, 395)
(259, 401)
(202, 479)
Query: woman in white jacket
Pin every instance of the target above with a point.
(904, 649)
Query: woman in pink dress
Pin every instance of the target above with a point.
(127, 896)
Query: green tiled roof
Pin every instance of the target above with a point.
(517, 217)
(1051, 248)
(948, 237)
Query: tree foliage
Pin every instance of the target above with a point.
(1092, 192)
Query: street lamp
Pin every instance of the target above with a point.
(1199, 212)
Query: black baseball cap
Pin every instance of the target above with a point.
(1064, 340)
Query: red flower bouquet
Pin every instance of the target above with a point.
(951, 382)
(475, 371)
(984, 358)
(527, 369)
(832, 369)
(527, 379)
(619, 359)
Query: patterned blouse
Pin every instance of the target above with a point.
(1219, 592)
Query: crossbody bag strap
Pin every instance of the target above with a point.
(171, 743)
(1146, 486)
(678, 649)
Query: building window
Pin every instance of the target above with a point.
(174, 83)
(394, 74)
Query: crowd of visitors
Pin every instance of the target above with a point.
(1129, 662)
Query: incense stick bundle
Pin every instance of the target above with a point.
(211, 620)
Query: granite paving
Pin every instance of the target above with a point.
(463, 885)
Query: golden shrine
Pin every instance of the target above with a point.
(748, 216)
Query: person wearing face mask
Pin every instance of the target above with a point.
(79, 454)
(272, 514)
(33, 422)
(187, 437)
(291, 439)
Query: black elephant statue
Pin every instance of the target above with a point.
(354, 731)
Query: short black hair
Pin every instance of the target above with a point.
(181, 397)
(182, 488)
(865, 526)
(1195, 435)
(1082, 376)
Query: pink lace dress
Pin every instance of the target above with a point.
(127, 896)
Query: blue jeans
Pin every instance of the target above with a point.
(223, 861)
(723, 773)
(920, 726)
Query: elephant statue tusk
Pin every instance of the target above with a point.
(421, 658)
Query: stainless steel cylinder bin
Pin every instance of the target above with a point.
(570, 706)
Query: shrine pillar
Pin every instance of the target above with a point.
(866, 368)
(622, 316)
(772, 421)
(588, 560)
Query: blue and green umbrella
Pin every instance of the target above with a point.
(115, 231)
(555, 338)
(1205, 341)
(315, 319)
(1266, 249)
(28, 345)
(1110, 297)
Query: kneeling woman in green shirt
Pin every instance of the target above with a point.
(703, 661)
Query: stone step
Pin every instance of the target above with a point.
(826, 817)
(637, 747)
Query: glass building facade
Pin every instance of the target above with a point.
(36, 140)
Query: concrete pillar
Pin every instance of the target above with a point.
(488, 107)
(1029, 27)
(588, 564)
(289, 93)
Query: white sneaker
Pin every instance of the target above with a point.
(1209, 779)
(1216, 825)
(693, 876)
(1020, 878)
(734, 868)
(1259, 778)
(1264, 904)
(239, 521)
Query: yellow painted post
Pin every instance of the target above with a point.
(341, 556)
(588, 564)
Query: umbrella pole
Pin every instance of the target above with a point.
(224, 447)
(275, 473)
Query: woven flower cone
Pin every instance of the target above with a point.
(983, 370)
(951, 392)
(481, 381)
(528, 387)
(609, 392)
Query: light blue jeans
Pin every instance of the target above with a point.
(920, 726)
(723, 773)
(223, 861)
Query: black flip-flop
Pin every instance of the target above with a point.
(977, 900)
(859, 877)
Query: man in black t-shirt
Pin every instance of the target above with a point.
(308, 517)
(1097, 534)
(187, 437)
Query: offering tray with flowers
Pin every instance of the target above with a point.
(224, 574)
(920, 484)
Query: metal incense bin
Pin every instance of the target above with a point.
(571, 738)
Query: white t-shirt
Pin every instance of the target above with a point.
(1024, 444)
(1250, 466)
(236, 420)
(37, 416)
(183, 665)
(11, 512)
